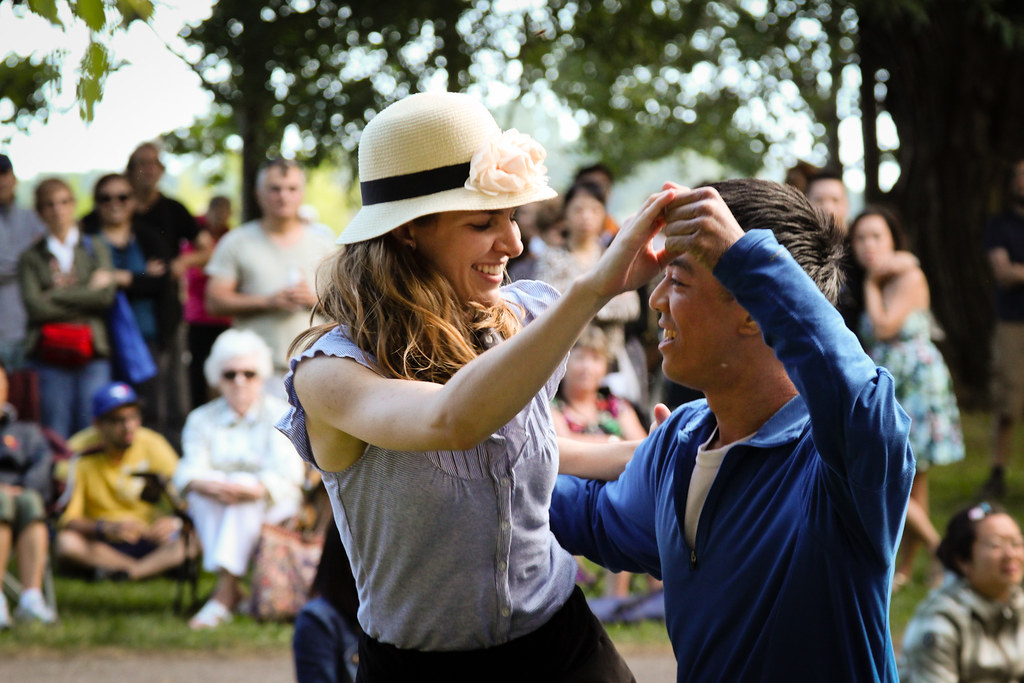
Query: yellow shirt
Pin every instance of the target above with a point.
(105, 490)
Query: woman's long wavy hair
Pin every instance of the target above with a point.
(402, 312)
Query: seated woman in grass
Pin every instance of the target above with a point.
(972, 628)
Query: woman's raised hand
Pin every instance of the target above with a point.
(631, 260)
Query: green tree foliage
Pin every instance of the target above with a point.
(650, 78)
(647, 79)
(723, 78)
(320, 67)
(737, 80)
(949, 73)
(27, 83)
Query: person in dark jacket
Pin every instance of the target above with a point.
(67, 286)
(25, 485)
(142, 268)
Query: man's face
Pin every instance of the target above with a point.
(700, 323)
(146, 169)
(7, 184)
(218, 215)
(118, 427)
(281, 193)
(830, 194)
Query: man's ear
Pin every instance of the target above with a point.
(749, 328)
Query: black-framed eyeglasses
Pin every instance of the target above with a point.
(230, 375)
(107, 198)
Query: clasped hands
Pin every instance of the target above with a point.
(693, 221)
(133, 531)
(298, 297)
(228, 493)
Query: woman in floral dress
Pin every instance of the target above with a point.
(896, 329)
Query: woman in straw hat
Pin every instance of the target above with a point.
(425, 404)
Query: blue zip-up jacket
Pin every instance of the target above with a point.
(789, 578)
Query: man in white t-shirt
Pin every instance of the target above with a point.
(263, 273)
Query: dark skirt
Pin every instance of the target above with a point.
(572, 647)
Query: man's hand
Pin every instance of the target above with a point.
(661, 413)
(300, 296)
(124, 531)
(699, 223)
(163, 529)
(155, 267)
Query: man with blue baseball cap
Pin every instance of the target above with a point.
(111, 523)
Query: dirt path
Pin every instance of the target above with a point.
(192, 668)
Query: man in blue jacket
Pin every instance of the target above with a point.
(772, 510)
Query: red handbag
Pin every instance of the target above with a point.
(66, 344)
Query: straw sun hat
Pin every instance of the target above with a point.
(434, 152)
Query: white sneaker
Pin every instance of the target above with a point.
(5, 613)
(213, 614)
(32, 607)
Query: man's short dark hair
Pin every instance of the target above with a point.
(827, 173)
(220, 200)
(595, 168)
(133, 158)
(281, 165)
(811, 235)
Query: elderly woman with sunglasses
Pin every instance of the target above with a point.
(237, 470)
(972, 628)
(426, 404)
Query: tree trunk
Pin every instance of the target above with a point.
(869, 122)
(252, 157)
(955, 96)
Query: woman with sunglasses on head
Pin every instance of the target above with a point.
(237, 471)
(972, 627)
(141, 270)
(426, 405)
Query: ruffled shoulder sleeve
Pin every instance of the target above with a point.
(293, 424)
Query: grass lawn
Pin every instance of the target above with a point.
(140, 616)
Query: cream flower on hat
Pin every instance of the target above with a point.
(512, 162)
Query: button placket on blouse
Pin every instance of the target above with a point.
(504, 546)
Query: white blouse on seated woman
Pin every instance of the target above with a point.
(237, 470)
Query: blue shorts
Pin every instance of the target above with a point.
(138, 550)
